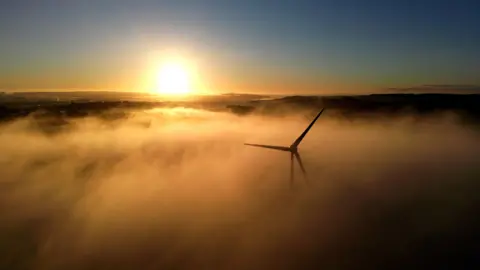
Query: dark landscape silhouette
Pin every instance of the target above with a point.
(466, 106)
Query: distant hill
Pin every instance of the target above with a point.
(376, 105)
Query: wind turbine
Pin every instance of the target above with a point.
(293, 149)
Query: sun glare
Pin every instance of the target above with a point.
(173, 79)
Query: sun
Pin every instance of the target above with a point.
(173, 78)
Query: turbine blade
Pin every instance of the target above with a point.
(281, 148)
(299, 139)
(299, 159)
(291, 170)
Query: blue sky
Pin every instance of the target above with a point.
(242, 45)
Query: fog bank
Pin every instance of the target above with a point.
(177, 189)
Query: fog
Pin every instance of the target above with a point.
(177, 189)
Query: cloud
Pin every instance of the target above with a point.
(176, 189)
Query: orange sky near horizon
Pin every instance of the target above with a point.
(140, 76)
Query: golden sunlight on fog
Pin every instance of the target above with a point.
(176, 189)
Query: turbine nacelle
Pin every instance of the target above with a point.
(293, 149)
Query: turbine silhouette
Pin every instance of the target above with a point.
(293, 149)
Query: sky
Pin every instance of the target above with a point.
(240, 46)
